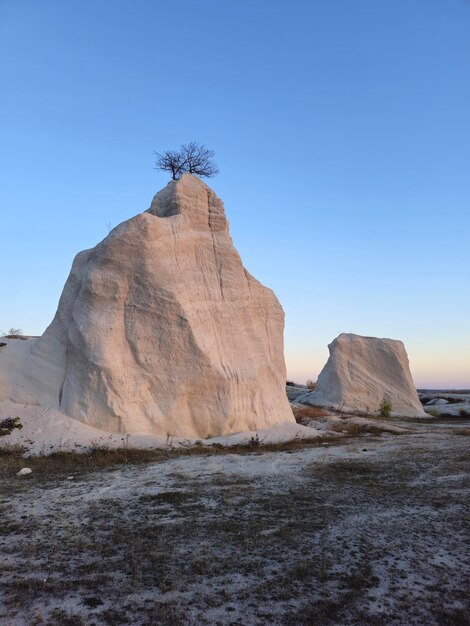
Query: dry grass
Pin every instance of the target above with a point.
(350, 541)
(465, 432)
(304, 413)
(60, 464)
(436, 414)
(355, 429)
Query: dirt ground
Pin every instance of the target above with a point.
(372, 530)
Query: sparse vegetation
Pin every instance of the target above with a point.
(353, 429)
(8, 425)
(255, 441)
(304, 413)
(63, 463)
(13, 332)
(385, 408)
(464, 432)
(310, 384)
(252, 542)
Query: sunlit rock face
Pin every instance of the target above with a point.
(361, 372)
(160, 329)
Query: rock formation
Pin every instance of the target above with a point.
(361, 372)
(159, 329)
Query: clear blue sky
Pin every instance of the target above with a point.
(342, 135)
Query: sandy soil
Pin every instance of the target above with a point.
(368, 531)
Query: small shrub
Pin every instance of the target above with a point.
(100, 445)
(464, 413)
(310, 384)
(12, 331)
(385, 408)
(9, 424)
(254, 442)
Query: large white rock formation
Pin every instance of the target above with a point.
(363, 371)
(159, 329)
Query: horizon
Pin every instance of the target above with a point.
(341, 134)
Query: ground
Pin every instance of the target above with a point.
(369, 530)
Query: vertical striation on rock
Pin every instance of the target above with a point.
(160, 329)
(361, 372)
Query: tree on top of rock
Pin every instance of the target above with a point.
(192, 158)
(170, 161)
(198, 159)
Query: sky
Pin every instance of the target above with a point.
(341, 131)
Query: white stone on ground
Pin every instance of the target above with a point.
(24, 471)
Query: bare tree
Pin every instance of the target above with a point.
(13, 332)
(192, 158)
(197, 159)
(170, 161)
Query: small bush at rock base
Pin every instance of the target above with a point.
(385, 408)
(8, 424)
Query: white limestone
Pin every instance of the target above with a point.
(24, 471)
(361, 372)
(159, 329)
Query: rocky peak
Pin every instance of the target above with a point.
(160, 329)
(192, 198)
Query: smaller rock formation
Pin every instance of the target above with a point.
(361, 372)
(293, 391)
(437, 401)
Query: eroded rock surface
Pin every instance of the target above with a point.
(160, 329)
(361, 372)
